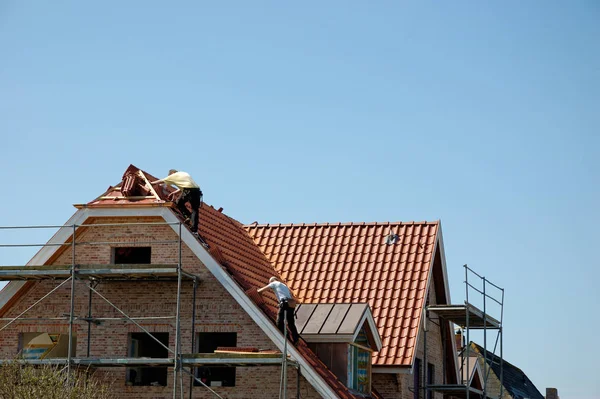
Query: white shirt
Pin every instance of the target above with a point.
(282, 292)
(181, 180)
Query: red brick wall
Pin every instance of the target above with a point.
(400, 386)
(216, 311)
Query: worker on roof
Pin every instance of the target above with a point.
(190, 192)
(287, 303)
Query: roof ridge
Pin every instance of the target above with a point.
(327, 224)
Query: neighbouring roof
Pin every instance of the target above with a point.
(515, 381)
(336, 322)
(359, 262)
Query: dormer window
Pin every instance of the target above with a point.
(344, 337)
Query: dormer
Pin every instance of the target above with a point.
(344, 337)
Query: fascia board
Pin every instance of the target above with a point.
(328, 338)
(440, 245)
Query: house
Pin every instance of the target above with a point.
(106, 292)
(515, 385)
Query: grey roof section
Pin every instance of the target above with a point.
(329, 318)
(516, 382)
(316, 320)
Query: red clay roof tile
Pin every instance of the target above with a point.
(344, 262)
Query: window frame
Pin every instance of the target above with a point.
(354, 352)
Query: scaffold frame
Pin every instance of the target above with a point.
(469, 317)
(94, 274)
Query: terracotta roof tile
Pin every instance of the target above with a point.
(351, 262)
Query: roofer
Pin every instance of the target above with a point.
(287, 303)
(190, 192)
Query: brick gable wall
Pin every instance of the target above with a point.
(216, 311)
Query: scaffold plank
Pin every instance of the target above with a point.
(458, 315)
(134, 272)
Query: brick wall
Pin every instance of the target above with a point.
(216, 311)
(400, 386)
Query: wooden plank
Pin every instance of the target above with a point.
(232, 355)
(148, 185)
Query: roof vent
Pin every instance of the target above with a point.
(392, 238)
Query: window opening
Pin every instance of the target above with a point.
(43, 345)
(207, 342)
(359, 364)
(131, 255)
(142, 345)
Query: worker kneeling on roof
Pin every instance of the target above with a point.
(190, 192)
(287, 303)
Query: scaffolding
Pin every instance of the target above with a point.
(469, 317)
(93, 274)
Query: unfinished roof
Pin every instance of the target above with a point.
(383, 264)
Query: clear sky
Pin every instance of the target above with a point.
(485, 116)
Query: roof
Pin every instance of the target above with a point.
(336, 322)
(515, 381)
(386, 265)
(238, 254)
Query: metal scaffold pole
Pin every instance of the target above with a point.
(485, 365)
(192, 369)
(468, 341)
(177, 359)
(502, 347)
(72, 309)
(283, 380)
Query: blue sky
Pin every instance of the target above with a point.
(482, 115)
